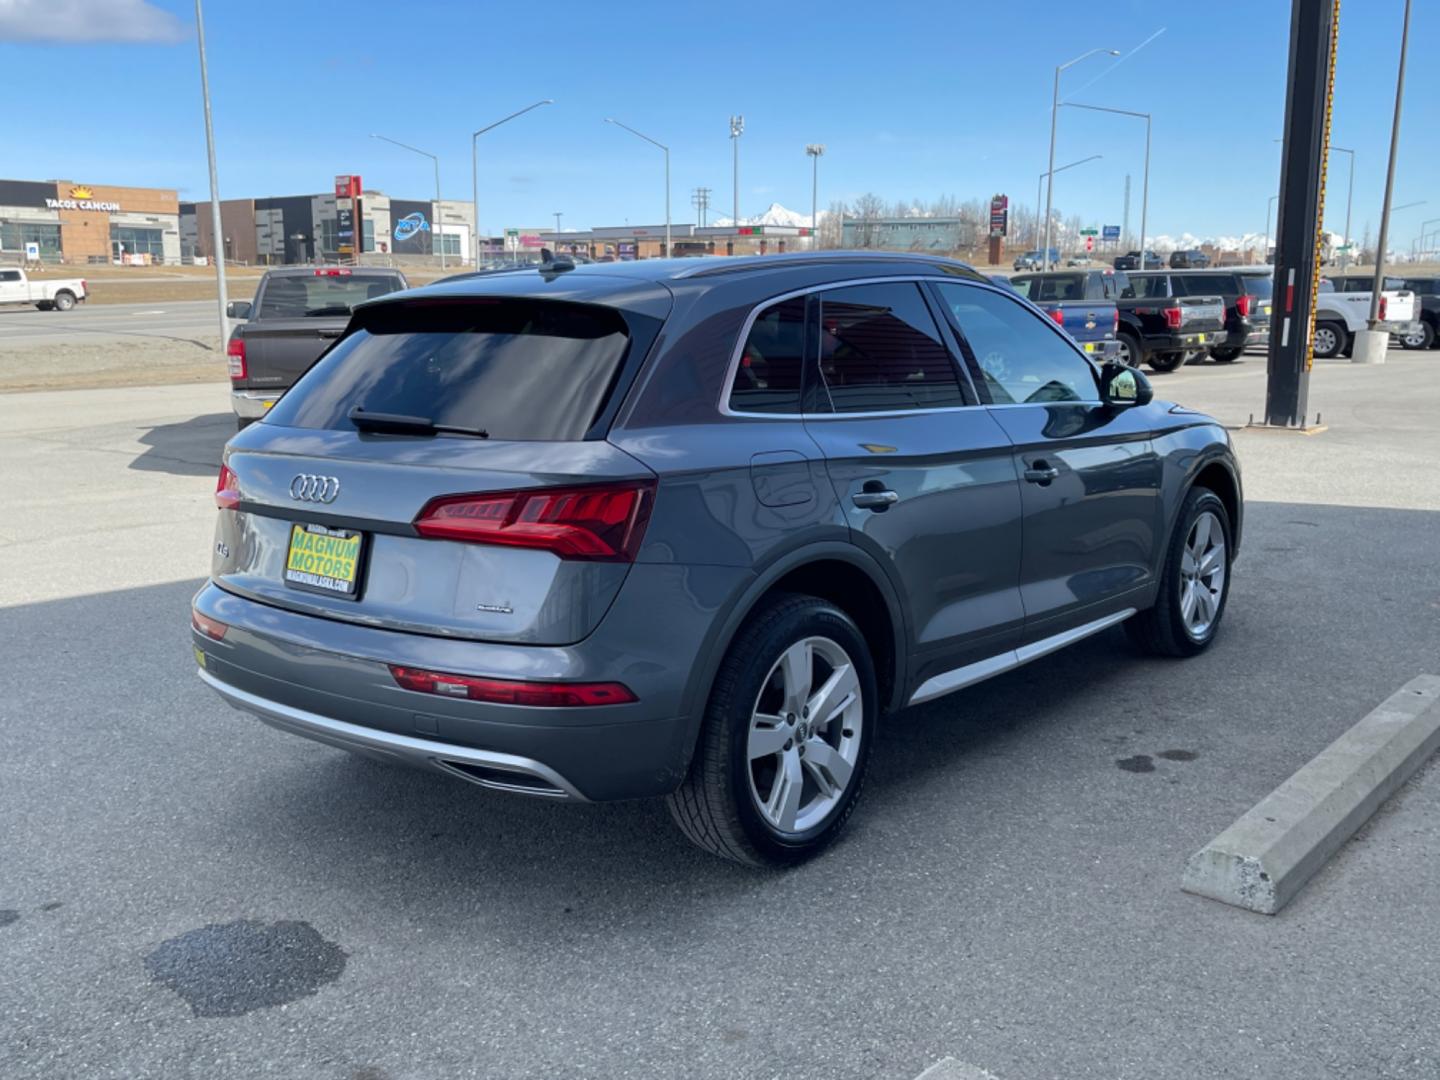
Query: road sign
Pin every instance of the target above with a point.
(1089, 232)
(999, 215)
(1112, 232)
(512, 232)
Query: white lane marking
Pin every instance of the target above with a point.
(147, 313)
(947, 1068)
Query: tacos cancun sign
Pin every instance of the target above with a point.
(82, 198)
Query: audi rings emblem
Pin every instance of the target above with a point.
(308, 487)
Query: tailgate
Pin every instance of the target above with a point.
(1203, 313)
(277, 351)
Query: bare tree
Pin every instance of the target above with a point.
(832, 225)
(869, 209)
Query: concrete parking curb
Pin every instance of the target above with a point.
(950, 1069)
(1264, 859)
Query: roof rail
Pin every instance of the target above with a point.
(750, 264)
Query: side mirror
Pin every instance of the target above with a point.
(237, 309)
(1124, 386)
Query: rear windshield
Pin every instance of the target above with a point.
(1208, 285)
(1057, 287)
(1259, 285)
(518, 369)
(319, 295)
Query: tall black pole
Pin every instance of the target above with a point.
(1314, 25)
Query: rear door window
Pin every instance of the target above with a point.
(321, 295)
(518, 369)
(767, 378)
(880, 350)
(1148, 286)
(1207, 285)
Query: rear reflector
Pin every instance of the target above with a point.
(211, 628)
(235, 354)
(601, 523)
(1172, 317)
(512, 692)
(227, 489)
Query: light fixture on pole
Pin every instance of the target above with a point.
(1050, 168)
(215, 235)
(1039, 182)
(816, 151)
(737, 128)
(1145, 184)
(475, 171)
(437, 238)
(610, 120)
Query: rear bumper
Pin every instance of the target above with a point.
(1101, 351)
(1185, 340)
(252, 404)
(331, 682)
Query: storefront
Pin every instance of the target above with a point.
(84, 224)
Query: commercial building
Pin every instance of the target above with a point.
(625, 242)
(309, 228)
(933, 234)
(82, 223)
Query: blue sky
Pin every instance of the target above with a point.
(913, 100)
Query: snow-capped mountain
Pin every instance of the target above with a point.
(775, 215)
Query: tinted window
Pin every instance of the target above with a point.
(1258, 285)
(767, 378)
(880, 350)
(1207, 285)
(1423, 286)
(9, 275)
(1060, 287)
(1149, 286)
(1022, 359)
(520, 369)
(318, 295)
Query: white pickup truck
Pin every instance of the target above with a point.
(47, 294)
(1338, 315)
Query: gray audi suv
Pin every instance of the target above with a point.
(694, 528)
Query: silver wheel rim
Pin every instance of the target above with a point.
(804, 735)
(1202, 575)
(1124, 352)
(1414, 339)
(1324, 340)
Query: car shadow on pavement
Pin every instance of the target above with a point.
(188, 448)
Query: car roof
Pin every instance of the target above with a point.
(311, 271)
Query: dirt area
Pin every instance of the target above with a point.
(150, 362)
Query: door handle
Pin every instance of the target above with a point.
(878, 500)
(1041, 472)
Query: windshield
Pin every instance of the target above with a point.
(318, 295)
(518, 369)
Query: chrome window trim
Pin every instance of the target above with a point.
(755, 312)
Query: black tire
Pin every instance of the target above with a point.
(1424, 338)
(1131, 351)
(1225, 354)
(716, 805)
(44, 305)
(1331, 339)
(64, 301)
(1162, 630)
(1166, 361)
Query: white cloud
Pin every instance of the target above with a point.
(76, 22)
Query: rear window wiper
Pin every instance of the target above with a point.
(401, 424)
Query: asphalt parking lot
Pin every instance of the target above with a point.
(184, 892)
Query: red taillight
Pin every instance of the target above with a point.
(227, 489)
(1242, 305)
(557, 695)
(235, 354)
(332, 271)
(211, 628)
(1172, 317)
(600, 523)
(1384, 307)
(1058, 314)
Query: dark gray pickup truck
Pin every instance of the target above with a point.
(297, 312)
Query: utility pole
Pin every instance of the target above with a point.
(216, 233)
(1125, 221)
(737, 128)
(700, 199)
(1379, 284)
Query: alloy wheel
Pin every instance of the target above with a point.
(1202, 575)
(804, 737)
(1325, 343)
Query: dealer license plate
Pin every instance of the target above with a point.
(323, 560)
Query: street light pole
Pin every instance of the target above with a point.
(653, 142)
(1050, 168)
(1269, 206)
(437, 231)
(1423, 226)
(558, 215)
(475, 169)
(1062, 168)
(1349, 197)
(737, 128)
(217, 237)
(1145, 184)
(815, 150)
(1379, 282)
